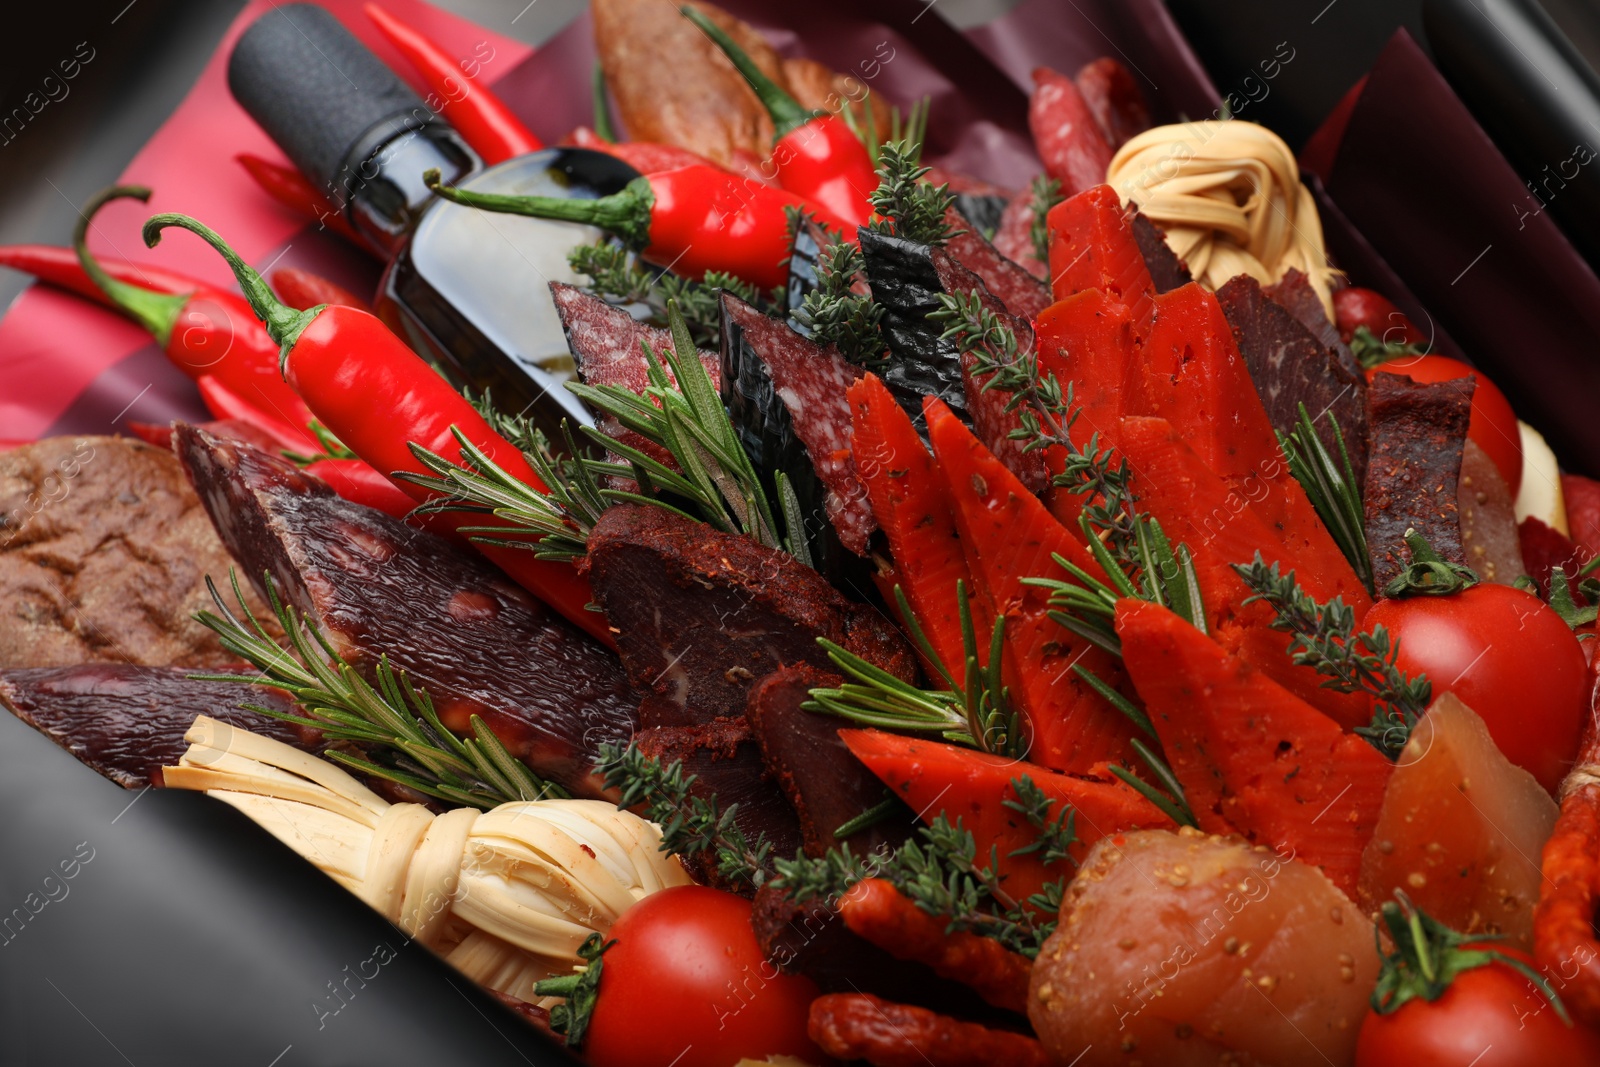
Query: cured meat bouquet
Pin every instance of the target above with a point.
(1069, 624)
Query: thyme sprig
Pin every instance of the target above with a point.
(618, 277)
(905, 205)
(690, 824)
(392, 716)
(836, 314)
(974, 710)
(1564, 596)
(1324, 638)
(681, 411)
(911, 125)
(1044, 194)
(1331, 486)
(1047, 416)
(941, 871)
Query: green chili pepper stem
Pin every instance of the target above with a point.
(156, 312)
(602, 113)
(284, 323)
(625, 214)
(786, 112)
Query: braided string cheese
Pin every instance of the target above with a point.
(1229, 197)
(507, 895)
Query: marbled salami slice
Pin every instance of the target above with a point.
(606, 342)
(797, 381)
(1022, 294)
(1414, 470)
(1013, 238)
(444, 615)
(1291, 367)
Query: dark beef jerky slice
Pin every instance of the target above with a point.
(1293, 292)
(127, 722)
(726, 763)
(700, 614)
(1291, 367)
(1414, 465)
(457, 626)
(826, 785)
(784, 389)
(1167, 271)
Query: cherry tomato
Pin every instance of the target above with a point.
(686, 984)
(1494, 424)
(1355, 307)
(1491, 1016)
(1508, 656)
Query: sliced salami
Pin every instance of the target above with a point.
(1066, 133)
(1113, 97)
(1014, 236)
(607, 343)
(1022, 293)
(790, 386)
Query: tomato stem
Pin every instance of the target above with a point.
(1428, 573)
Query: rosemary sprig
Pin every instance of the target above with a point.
(1564, 598)
(1044, 194)
(940, 871)
(905, 205)
(910, 126)
(976, 710)
(393, 716)
(836, 314)
(681, 411)
(618, 277)
(689, 824)
(1331, 485)
(1324, 637)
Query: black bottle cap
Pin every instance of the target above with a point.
(326, 100)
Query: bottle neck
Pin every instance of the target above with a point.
(386, 195)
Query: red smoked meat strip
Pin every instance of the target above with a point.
(700, 614)
(444, 615)
(1115, 100)
(811, 381)
(1416, 435)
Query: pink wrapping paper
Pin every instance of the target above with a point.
(72, 367)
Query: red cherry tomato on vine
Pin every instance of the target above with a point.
(686, 984)
(1355, 307)
(1491, 1016)
(1494, 424)
(1509, 657)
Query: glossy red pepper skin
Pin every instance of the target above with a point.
(60, 268)
(690, 220)
(705, 218)
(361, 483)
(225, 403)
(301, 290)
(646, 157)
(479, 116)
(376, 395)
(291, 189)
(816, 156)
(825, 162)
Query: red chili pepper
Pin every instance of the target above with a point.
(646, 157)
(816, 155)
(379, 397)
(482, 118)
(690, 220)
(291, 189)
(303, 290)
(203, 330)
(223, 403)
(60, 267)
